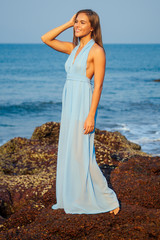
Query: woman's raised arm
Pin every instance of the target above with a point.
(61, 46)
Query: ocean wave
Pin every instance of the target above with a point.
(2, 142)
(6, 125)
(133, 107)
(138, 106)
(146, 140)
(29, 107)
(106, 108)
(121, 127)
(156, 155)
(133, 69)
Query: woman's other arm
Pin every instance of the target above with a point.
(61, 46)
(99, 72)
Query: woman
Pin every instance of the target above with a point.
(80, 184)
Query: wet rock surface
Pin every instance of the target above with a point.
(28, 190)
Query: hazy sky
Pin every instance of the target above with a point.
(122, 21)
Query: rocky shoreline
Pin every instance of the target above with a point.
(28, 181)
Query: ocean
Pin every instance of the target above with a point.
(31, 84)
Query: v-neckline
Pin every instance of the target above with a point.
(75, 57)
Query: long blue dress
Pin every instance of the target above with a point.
(80, 185)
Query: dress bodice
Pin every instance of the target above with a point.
(76, 67)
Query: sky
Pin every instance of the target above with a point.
(122, 21)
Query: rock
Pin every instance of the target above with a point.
(111, 147)
(48, 131)
(28, 190)
(133, 222)
(21, 156)
(157, 80)
(138, 181)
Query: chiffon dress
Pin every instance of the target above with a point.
(81, 187)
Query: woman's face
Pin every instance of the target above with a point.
(82, 26)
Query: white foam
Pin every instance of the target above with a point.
(156, 155)
(122, 127)
(147, 135)
(145, 140)
(3, 142)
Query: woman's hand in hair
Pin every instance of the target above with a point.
(72, 20)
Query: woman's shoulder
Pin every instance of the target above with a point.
(97, 50)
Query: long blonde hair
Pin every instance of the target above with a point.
(95, 24)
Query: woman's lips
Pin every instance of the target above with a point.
(77, 30)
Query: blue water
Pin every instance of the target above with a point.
(31, 83)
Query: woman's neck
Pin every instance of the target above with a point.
(84, 40)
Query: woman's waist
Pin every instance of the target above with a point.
(77, 77)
